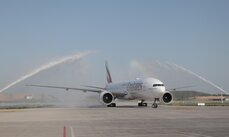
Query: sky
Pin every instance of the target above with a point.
(191, 33)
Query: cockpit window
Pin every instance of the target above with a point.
(158, 85)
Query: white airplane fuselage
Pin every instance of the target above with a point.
(141, 89)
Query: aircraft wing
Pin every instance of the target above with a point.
(94, 87)
(173, 89)
(69, 88)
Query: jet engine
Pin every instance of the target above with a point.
(167, 98)
(106, 97)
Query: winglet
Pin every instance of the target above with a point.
(109, 79)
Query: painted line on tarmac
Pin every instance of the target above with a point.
(72, 132)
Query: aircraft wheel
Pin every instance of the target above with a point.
(112, 105)
(155, 105)
(145, 104)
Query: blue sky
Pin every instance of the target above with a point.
(193, 34)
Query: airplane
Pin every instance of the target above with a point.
(144, 90)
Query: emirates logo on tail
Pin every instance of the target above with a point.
(109, 79)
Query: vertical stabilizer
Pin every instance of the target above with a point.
(109, 79)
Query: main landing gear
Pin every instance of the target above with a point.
(142, 104)
(112, 105)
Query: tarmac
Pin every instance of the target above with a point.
(122, 121)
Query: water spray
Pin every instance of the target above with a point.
(47, 66)
(139, 67)
(200, 77)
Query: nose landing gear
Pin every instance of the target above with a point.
(155, 105)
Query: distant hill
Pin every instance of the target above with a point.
(185, 95)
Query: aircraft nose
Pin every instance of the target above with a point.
(161, 89)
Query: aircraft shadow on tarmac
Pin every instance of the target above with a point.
(123, 106)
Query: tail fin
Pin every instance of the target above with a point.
(109, 79)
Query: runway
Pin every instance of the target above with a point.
(124, 121)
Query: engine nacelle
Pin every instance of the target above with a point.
(167, 98)
(106, 97)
